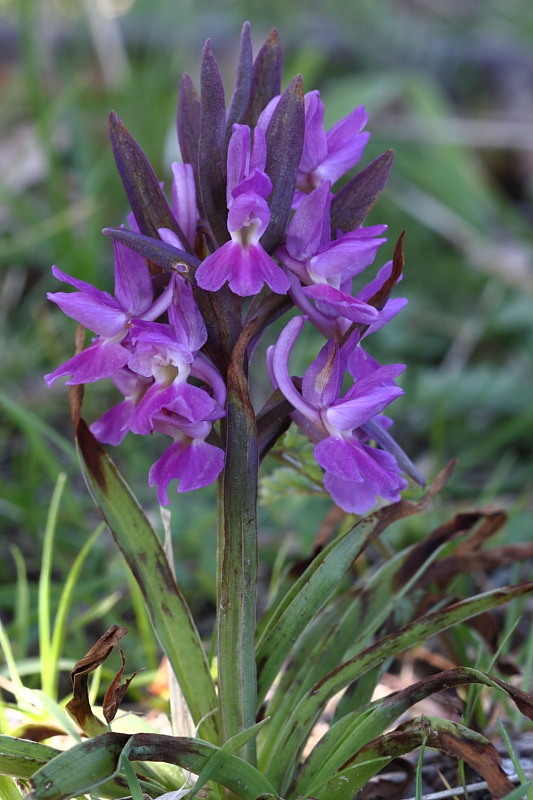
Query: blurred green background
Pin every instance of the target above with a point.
(447, 83)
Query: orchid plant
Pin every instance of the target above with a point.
(255, 229)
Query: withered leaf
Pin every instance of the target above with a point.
(79, 707)
(116, 692)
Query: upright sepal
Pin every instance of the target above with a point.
(284, 139)
(353, 203)
(144, 193)
(210, 152)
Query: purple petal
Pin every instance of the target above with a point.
(280, 369)
(333, 303)
(337, 456)
(113, 426)
(352, 496)
(81, 285)
(347, 256)
(209, 374)
(238, 158)
(257, 183)
(259, 151)
(322, 381)
(186, 318)
(382, 376)
(245, 268)
(190, 402)
(106, 320)
(345, 145)
(353, 413)
(306, 230)
(315, 146)
(184, 205)
(266, 115)
(133, 284)
(195, 465)
(100, 360)
(249, 210)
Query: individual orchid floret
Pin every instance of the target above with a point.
(242, 262)
(325, 156)
(355, 473)
(168, 355)
(326, 268)
(190, 459)
(109, 317)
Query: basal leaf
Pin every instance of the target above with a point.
(300, 724)
(94, 762)
(20, 758)
(339, 744)
(142, 550)
(449, 737)
(312, 590)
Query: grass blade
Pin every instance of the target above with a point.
(60, 622)
(48, 670)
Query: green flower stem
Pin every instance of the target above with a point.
(237, 561)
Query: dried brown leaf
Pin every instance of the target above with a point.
(79, 707)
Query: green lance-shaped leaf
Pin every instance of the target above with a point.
(352, 733)
(300, 724)
(93, 763)
(312, 590)
(355, 618)
(237, 556)
(444, 735)
(243, 86)
(230, 747)
(142, 188)
(284, 140)
(142, 550)
(266, 78)
(212, 131)
(352, 204)
(20, 758)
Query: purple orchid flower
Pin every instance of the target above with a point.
(168, 354)
(326, 268)
(355, 474)
(243, 262)
(325, 156)
(110, 317)
(190, 459)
